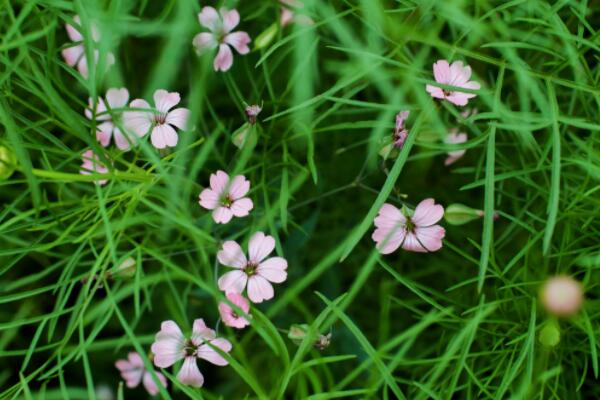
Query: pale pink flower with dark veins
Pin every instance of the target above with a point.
(226, 197)
(75, 55)
(109, 119)
(161, 119)
(133, 372)
(457, 75)
(92, 165)
(416, 232)
(455, 137)
(229, 316)
(170, 346)
(255, 271)
(220, 35)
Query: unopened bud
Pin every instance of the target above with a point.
(459, 214)
(252, 113)
(298, 332)
(265, 38)
(126, 269)
(562, 296)
(8, 162)
(550, 334)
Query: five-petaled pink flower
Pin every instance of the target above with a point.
(455, 137)
(170, 346)
(226, 197)
(92, 165)
(416, 232)
(133, 372)
(75, 55)
(255, 271)
(457, 75)
(220, 35)
(229, 316)
(110, 117)
(161, 119)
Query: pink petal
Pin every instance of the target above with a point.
(164, 100)
(224, 59)
(259, 289)
(388, 239)
(459, 98)
(435, 91)
(242, 207)
(260, 246)
(135, 359)
(232, 255)
(451, 159)
(121, 140)
(209, 199)
(412, 244)
(201, 331)
(117, 98)
(231, 18)
(72, 54)
(459, 74)
(222, 215)
(179, 117)
(204, 41)
(238, 187)
(209, 354)
(132, 375)
(287, 16)
(273, 269)
(104, 133)
(219, 181)
(189, 374)
(239, 301)
(472, 85)
(209, 18)
(389, 217)
(233, 281)
(163, 136)
(151, 386)
(427, 213)
(239, 41)
(431, 237)
(138, 121)
(168, 346)
(229, 319)
(441, 71)
(73, 32)
(82, 66)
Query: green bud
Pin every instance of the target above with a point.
(245, 136)
(8, 162)
(459, 214)
(298, 332)
(550, 334)
(126, 269)
(265, 38)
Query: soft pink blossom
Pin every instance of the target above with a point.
(229, 316)
(256, 272)
(400, 132)
(110, 117)
(562, 295)
(170, 346)
(220, 25)
(415, 232)
(92, 165)
(457, 75)
(455, 137)
(160, 120)
(226, 197)
(75, 54)
(133, 372)
(252, 113)
(288, 16)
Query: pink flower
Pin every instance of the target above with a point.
(161, 119)
(75, 55)
(220, 35)
(453, 75)
(109, 118)
(229, 316)
(226, 197)
(400, 132)
(134, 372)
(255, 271)
(252, 112)
(415, 232)
(171, 346)
(288, 16)
(92, 165)
(455, 137)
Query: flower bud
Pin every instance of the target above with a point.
(459, 214)
(126, 269)
(265, 38)
(246, 135)
(550, 334)
(298, 332)
(8, 162)
(562, 296)
(252, 112)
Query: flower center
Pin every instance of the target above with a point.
(227, 200)
(446, 92)
(410, 226)
(160, 118)
(190, 348)
(250, 268)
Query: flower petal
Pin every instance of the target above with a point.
(435, 91)
(273, 269)
(168, 345)
(388, 239)
(231, 19)
(204, 41)
(121, 140)
(209, 18)
(219, 181)
(260, 246)
(189, 374)
(389, 217)
(259, 289)
(239, 41)
(224, 59)
(222, 215)
(209, 354)
(163, 136)
(72, 31)
(149, 384)
(441, 71)
(427, 213)
(117, 98)
(179, 117)
(209, 199)
(232, 255)
(201, 332)
(412, 244)
(138, 121)
(72, 54)
(242, 207)
(104, 133)
(238, 187)
(164, 100)
(430, 237)
(233, 281)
